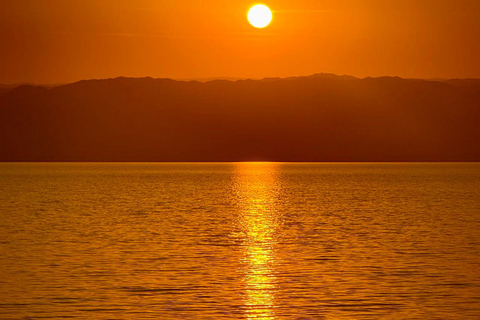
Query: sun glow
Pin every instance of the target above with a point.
(260, 16)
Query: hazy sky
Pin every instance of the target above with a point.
(58, 41)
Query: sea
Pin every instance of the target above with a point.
(329, 241)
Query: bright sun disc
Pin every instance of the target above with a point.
(260, 16)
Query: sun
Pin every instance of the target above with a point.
(260, 16)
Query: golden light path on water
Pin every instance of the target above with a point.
(257, 190)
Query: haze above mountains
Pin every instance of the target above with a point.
(318, 118)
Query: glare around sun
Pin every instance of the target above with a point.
(260, 16)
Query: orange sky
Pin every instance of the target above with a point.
(58, 41)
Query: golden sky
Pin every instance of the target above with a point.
(58, 41)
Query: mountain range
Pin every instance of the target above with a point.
(322, 117)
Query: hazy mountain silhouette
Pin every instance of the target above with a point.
(317, 118)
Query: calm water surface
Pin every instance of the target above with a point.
(240, 241)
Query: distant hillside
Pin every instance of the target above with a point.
(8, 87)
(317, 118)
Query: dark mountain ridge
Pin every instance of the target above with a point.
(318, 118)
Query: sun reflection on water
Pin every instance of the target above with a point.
(257, 192)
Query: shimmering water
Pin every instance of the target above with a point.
(240, 241)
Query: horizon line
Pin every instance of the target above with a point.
(228, 79)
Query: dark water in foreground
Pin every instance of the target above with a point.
(240, 241)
